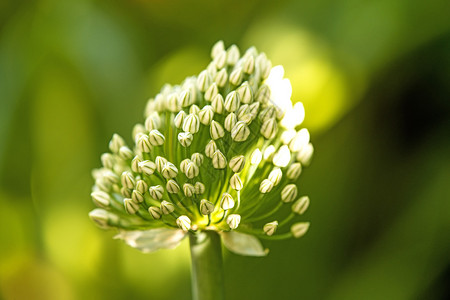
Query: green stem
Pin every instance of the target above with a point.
(207, 268)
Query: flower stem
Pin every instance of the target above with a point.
(207, 268)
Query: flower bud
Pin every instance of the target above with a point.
(221, 78)
(172, 186)
(265, 186)
(300, 140)
(183, 164)
(301, 205)
(103, 218)
(199, 188)
(211, 92)
(233, 221)
(179, 119)
(137, 197)
(219, 160)
(101, 199)
(197, 158)
(217, 49)
(185, 98)
(282, 157)
(203, 81)
(294, 171)
(147, 167)
(166, 207)
(270, 228)
(206, 115)
(230, 121)
(135, 164)
(116, 142)
(249, 65)
(131, 207)
(216, 130)
(191, 170)
(299, 229)
(156, 192)
(141, 186)
(169, 170)
(221, 59)
(188, 189)
(305, 154)
(236, 76)
(236, 182)
(232, 101)
(143, 143)
(210, 148)
(233, 55)
(108, 160)
(184, 222)
(242, 111)
(155, 212)
(269, 128)
(173, 103)
(125, 153)
(206, 207)
(275, 176)
(256, 157)
(191, 123)
(268, 152)
(263, 94)
(267, 114)
(194, 109)
(125, 192)
(289, 193)
(218, 104)
(237, 163)
(253, 109)
(156, 138)
(138, 130)
(128, 180)
(226, 202)
(160, 163)
(240, 132)
(185, 138)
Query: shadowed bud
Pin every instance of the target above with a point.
(203, 81)
(155, 212)
(237, 163)
(206, 115)
(169, 170)
(147, 167)
(230, 121)
(199, 188)
(137, 197)
(275, 176)
(191, 170)
(217, 49)
(233, 221)
(221, 78)
(172, 186)
(116, 142)
(125, 153)
(299, 229)
(232, 101)
(210, 148)
(184, 164)
(206, 207)
(100, 198)
(143, 143)
(185, 138)
(233, 55)
(211, 92)
(289, 193)
(236, 76)
(236, 182)
(294, 171)
(179, 119)
(301, 205)
(265, 186)
(167, 207)
(305, 154)
(216, 130)
(219, 160)
(135, 164)
(270, 228)
(125, 192)
(141, 186)
(160, 163)
(156, 192)
(269, 128)
(263, 94)
(188, 189)
(197, 158)
(108, 160)
(156, 138)
(249, 65)
(184, 223)
(240, 132)
(226, 202)
(131, 207)
(128, 180)
(103, 218)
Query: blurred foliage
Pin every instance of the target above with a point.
(373, 75)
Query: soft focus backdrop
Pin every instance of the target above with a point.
(375, 80)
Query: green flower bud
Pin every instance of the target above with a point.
(263, 94)
(147, 167)
(299, 229)
(179, 119)
(160, 163)
(108, 160)
(101, 199)
(221, 78)
(185, 138)
(289, 193)
(116, 142)
(184, 164)
(191, 170)
(169, 171)
(156, 192)
(156, 138)
(301, 205)
(128, 180)
(216, 130)
(131, 207)
(275, 176)
(103, 218)
(184, 223)
(137, 196)
(172, 186)
(210, 149)
(249, 65)
(232, 101)
(194, 109)
(141, 186)
(199, 188)
(125, 153)
(305, 154)
(270, 228)
(269, 128)
(265, 186)
(203, 81)
(221, 59)
(188, 190)
(185, 98)
(218, 104)
(237, 163)
(226, 202)
(191, 123)
(240, 132)
(236, 76)
(294, 171)
(135, 164)
(219, 160)
(197, 158)
(230, 121)
(211, 92)
(206, 115)
(206, 207)
(233, 221)
(143, 143)
(217, 49)
(236, 182)
(155, 212)
(166, 207)
(233, 55)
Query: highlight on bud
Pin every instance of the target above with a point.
(222, 150)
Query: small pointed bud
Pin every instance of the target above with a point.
(102, 218)
(237, 163)
(211, 92)
(184, 164)
(116, 142)
(125, 153)
(194, 109)
(240, 132)
(150, 123)
(155, 212)
(265, 186)
(199, 188)
(305, 154)
(221, 59)
(156, 138)
(110, 177)
(138, 129)
(135, 164)
(147, 167)
(275, 176)
(233, 221)
(270, 228)
(236, 182)
(287, 136)
(172, 186)
(125, 192)
(221, 78)
(169, 170)
(219, 160)
(160, 163)
(267, 113)
(173, 102)
(217, 104)
(217, 49)
(263, 94)
(184, 223)
(232, 101)
(191, 123)
(206, 207)
(299, 229)
(108, 160)
(269, 152)
(236, 76)
(141, 186)
(206, 115)
(256, 157)
(300, 140)
(185, 98)
(128, 180)
(156, 192)
(166, 207)
(301, 205)
(197, 158)
(226, 202)
(188, 189)
(103, 185)
(233, 55)
(294, 171)
(143, 143)
(137, 196)
(101, 199)
(269, 129)
(289, 193)
(203, 81)
(253, 109)
(210, 148)
(185, 138)
(191, 170)
(242, 111)
(216, 130)
(179, 119)
(282, 157)
(249, 65)
(131, 207)
(230, 121)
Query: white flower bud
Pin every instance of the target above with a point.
(184, 223)
(101, 199)
(211, 92)
(169, 170)
(218, 104)
(236, 76)
(173, 103)
(185, 138)
(203, 81)
(206, 207)
(233, 221)
(128, 180)
(125, 153)
(236, 182)
(265, 186)
(199, 188)
(299, 229)
(269, 128)
(289, 193)
(240, 132)
(103, 218)
(282, 157)
(242, 111)
(216, 130)
(206, 114)
(191, 123)
(219, 160)
(217, 49)
(183, 164)
(116, 142)
(143, 143)
(179, 119)
(172, 186)
(268, 152)
(137, 196)
(230, 121)
(138, 129)
(233, 55)
(156, 138)
(147, 167)
(287, 136)
(160, 163)
(270, 228)
(188, 189)
(263, 94)
(256, 157)
(305, 154)
(131, 207)
(166, 207)
(155, 212)
(253, 109)
(300, 140)
(265, 65)
(249, 65)
(135, 164)
(210, 148)
(194, 109)
(150, 123)
(275, 176)
(125, 192)
(221, 59)
(294, 171)
(267, 113)
(141, 186)
(301, 205)
(185, 98)
(108, 160)
(110, 177)
(197, 158)
(221, 78)
(232, 101)
(237, 163)
(156, 192)
(192, 170)
(226, 202)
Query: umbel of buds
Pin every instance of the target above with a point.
(222, 151)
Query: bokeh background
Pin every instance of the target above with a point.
(374, 77)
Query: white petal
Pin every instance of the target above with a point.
(153, 239)
(243, 244)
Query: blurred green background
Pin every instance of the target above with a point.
(375, 80)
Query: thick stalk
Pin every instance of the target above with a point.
(207, 268)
